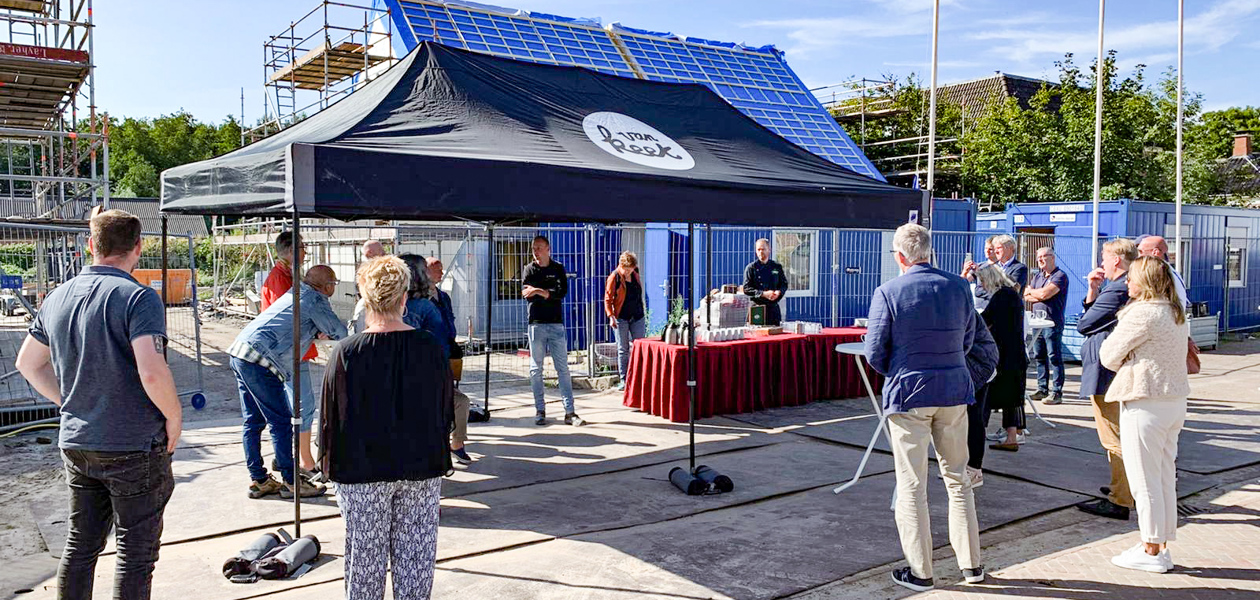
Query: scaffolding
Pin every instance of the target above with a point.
(318, 59)
(54, 158)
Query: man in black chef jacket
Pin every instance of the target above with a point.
(766, 283)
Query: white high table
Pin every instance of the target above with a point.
(1035, 324)
(858, 350)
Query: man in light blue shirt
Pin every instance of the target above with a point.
(262, 359)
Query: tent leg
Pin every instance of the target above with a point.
(295, 269)
(691, 340)
(489, 308)
(165, 283)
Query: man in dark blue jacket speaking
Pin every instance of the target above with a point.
(920, 329)
(1108, 293)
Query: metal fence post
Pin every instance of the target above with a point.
(835, 278)
(1225, 283)
(588, 289)
(196, 313)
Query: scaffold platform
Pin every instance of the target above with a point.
(39, 7)
(36, 81)
(344, 60)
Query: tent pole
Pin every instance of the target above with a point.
(691, 340)
(489, 307)
(165, 285)
(295, 269)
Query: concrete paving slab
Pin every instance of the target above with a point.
(511, 451)
(641, 496)
(194, 569)
(761, 550)
(1217, 437)
(487, 522)
(1070, 469)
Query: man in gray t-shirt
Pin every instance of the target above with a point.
(95, 350)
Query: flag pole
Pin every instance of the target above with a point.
(1181, 34)
(931, 173)
(1100, 81)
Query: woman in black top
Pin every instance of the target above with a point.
(1005, 318)
(387, 412)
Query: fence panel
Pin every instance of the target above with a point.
(35, 259)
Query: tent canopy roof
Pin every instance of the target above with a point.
(448, 133)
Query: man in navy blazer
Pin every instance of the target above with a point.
(1108, 293)
(1004, 256)
(920, 329)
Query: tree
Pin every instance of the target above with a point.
(142, 148)
(1045, 151)
(1047, 154)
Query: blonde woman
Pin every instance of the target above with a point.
(1004, 316)
(624, 307)
(387, 414)
(1147, 351)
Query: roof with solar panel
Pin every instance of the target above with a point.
(756, 80)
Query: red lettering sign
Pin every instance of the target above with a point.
(43, 53)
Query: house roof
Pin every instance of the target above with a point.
(977, 95)
(151, 219)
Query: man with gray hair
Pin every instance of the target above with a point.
(1108, 293)
(1004, 257)
(766, 283)
(920, 329)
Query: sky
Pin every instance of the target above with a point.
(156, 57)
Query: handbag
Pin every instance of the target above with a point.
(1192, 357)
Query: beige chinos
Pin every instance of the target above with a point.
(946, 428)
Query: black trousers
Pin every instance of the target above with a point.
(126, 490)
(774, 316)
(977, 423)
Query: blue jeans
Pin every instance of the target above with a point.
(627, 332)
(548, 339)
(1048, 350)
(264, 403)
(308, 397)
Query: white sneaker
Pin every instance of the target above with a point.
(1000, 436)
(1137, 559)
(975, 477)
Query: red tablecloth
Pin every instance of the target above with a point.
(743, 375)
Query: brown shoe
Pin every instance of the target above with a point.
(1005, 447)
(306, 489)
(267, 487)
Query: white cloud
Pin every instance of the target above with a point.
(1210, 30)
(941, 64)
(813, 35)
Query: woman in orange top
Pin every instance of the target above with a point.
(624, 307)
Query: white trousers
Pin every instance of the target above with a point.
(1148, 440)
(946, 428)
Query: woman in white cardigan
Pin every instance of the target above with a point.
(1147, 351)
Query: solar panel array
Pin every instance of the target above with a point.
(757, 81)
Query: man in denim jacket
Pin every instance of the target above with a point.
(262, 359)
(921, 328)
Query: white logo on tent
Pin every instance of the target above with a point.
(630, 139)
